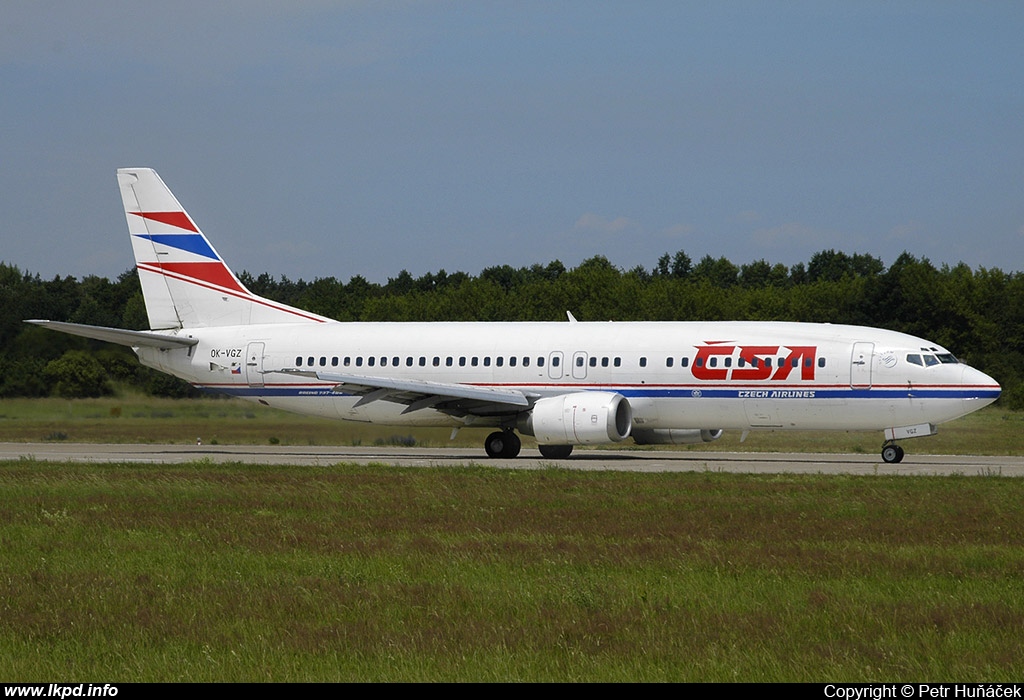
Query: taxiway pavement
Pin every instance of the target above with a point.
(622, 460)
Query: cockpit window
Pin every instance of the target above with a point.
(929, 360)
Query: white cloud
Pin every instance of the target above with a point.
(905, 232)
(678, 231)
(748, 216)
(594, 223)
(796, 233)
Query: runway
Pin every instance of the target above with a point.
(620, 460)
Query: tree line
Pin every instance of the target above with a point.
(976, 314)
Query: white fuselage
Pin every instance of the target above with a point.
(675, 375)
(564, 384)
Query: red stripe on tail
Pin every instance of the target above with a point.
(212, 273)
(178, 219)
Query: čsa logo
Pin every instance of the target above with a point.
(718, 360)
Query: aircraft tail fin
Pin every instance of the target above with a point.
(185, 282)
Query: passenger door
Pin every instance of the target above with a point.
(254, 365)
(860, 365)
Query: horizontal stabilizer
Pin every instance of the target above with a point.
(118, 335)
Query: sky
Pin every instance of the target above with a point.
(334, 139)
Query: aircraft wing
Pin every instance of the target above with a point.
(457, 399)
(118, 335)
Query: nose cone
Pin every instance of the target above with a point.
(979, 389)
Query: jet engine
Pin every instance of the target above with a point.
(671, 436)
(583, 418)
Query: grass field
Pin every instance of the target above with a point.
(205, 572)
(209, 572)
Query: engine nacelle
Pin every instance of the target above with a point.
(674, 436)
(583, 418)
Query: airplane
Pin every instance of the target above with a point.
(565, 383)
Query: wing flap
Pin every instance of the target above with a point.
(417, 394)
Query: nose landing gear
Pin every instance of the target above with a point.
(892, 453)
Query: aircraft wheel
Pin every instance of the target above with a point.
(502, 443)
(512, 445)
(892, 454)
(495, 443)
(555, 451)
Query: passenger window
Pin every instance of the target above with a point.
(309, 361)
(604, 361)
(298, 361)
(540, 361)
(370, 360)
(448, 362)
(334, 362)
(728, 362)
(643, 361)
(462, 361)
(348, 361)
(395, 361)
(323, 361)
(512, 361)
(593, 362)
(554, 361)
(359, 361)
(618, 362)
(821, 362)
(526, 361)
(475, 361)
(423, 361)
(437, 361)
(487, 361)
(499, 361)
(712, 362)
(579, 361)
(668, 361)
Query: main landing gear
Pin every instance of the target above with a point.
(503, 443)
(892, 453)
